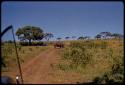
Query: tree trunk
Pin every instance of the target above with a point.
(29, 41)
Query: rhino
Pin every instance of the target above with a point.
(58, 45)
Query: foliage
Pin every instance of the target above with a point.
(30, 33)
(47, 36)
(81, 55)
(106, 35)
(67, 37)
(7, 51)
(8, 54)
(32, 44)
(98, 36)
(59, 38)
(115, 76)
(117, 35)
(83, 38)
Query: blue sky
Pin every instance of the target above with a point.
(65, 18)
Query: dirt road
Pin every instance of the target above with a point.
(39, 70)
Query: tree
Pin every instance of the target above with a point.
(30, 33)
(47, 36)
(19, 32)
(67, 38)
(117, 35)
(98, 36)
(37, 33)
(59, 38)
(105, 34)
(81, 38)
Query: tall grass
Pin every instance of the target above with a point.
(8, 55)
(101, 54)
(82, 52)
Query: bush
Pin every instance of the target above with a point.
(24, 43)
(109, 78)
(115, 76)
(78, 53)
(32, 44)
(89, 44)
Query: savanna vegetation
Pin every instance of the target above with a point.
(99, 60)
(28, 46)
(9, 59)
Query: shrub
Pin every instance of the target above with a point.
(24, 43)
(115, 75)
(78, 53)
(32, 44)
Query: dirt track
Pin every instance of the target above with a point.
(39, 69)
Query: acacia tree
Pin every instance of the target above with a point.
(117, 35)
(58, 38)
(98, 36)
(81, 38)
(47, 36)
(67, 38)
(30, 33)
(105, 34)
(19, 32)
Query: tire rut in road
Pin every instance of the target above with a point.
(37, 70)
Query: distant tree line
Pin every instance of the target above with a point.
(107, 35)
(103, 35)
(32, 33)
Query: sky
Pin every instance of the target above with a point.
(65, 18)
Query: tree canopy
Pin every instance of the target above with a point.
(105, 35)
(30, 33)
(67, 37)
(98, 36)
(47, 36)
(83, 38)
(117, 35)
(59, 38)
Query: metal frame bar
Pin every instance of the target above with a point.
(8, 28)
